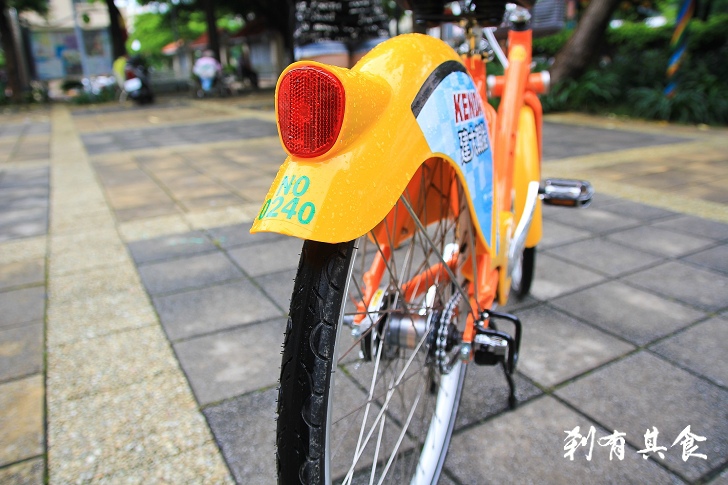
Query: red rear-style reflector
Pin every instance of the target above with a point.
(310, 110)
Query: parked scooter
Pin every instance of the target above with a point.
(137, 85)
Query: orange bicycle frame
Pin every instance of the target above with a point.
(517, 87)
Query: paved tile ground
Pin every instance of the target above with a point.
(125, 260)
(24, 206)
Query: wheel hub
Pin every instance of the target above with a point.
(395, 330)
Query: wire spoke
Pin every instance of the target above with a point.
(388, 415)
(390, 393)
(432, 244)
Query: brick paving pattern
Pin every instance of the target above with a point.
(125, 257)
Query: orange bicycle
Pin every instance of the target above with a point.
(420, 209)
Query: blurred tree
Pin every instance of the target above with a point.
(117, 30)
(278, 15)
(213, 40)
(8, 40)
(579, 51)
(155, 30)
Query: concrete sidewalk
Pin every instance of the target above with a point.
(140, 322)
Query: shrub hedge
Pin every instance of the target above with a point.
(628, 76)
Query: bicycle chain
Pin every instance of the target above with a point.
(442, 333)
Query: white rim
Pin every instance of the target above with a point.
(439, 427)
(330, 402)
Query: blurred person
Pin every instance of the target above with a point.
(338, 32)
(245, 67)
(207, 68)
(118, 67)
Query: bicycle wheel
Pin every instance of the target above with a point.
(377, 404)
(523, 272)
(527, 158)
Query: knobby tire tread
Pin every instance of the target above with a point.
(307, 361)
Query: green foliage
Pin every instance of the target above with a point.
(494, 68)
(701, 96)
(191, 25)
(152, 31)
(590, 93)
(638, 36)
(632, 78)
(689, 105)
(38, 94)
(230, 23)
(710, 34)
(86, 97)
(715, 7)
(639, 68)
(549, 45)
(155, 30)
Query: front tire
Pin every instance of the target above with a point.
(388, 415)
(523, 272)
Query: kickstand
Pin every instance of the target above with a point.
(512, 401)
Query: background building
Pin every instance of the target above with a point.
(71, 43)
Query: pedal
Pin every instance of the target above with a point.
(495, 346)
(566, 193)
(492, 347)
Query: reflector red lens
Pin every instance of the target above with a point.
(310, 110)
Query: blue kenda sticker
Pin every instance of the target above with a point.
(450, 114)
